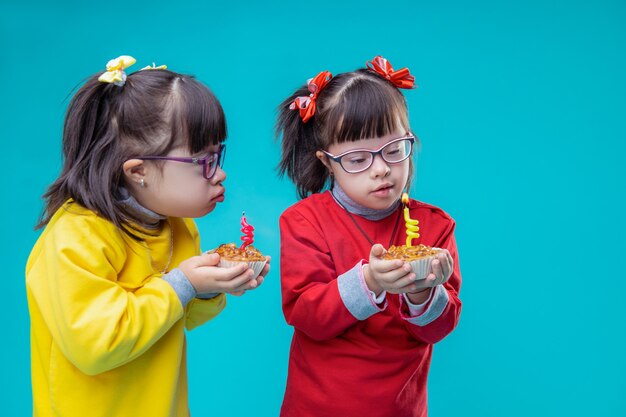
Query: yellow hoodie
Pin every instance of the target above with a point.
(107, 332)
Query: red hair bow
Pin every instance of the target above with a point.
(306, 104)
(401, 78)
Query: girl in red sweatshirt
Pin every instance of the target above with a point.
(364, 327)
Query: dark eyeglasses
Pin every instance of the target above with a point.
(209, 162)
(359, 160)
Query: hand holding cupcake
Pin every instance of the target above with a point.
(232, 255)
(407, 268)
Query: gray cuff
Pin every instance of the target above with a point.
(179, 282)
(355, 295)
(438, 303)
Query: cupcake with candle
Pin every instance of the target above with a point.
(232, 255)
(420, 257)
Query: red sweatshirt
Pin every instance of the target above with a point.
(350, 356)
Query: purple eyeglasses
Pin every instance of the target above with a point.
(209, 162)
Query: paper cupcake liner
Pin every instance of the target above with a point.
(422, 267)
(256, 266)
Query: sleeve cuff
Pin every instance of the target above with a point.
(418, 309)
(438, 302)
(181, 285)
(357, 298)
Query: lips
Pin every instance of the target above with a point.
(219, 197)
(383, 187)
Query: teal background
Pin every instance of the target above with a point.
(521, 112)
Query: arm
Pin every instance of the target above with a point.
(316, 300)
(96, 322)
(203, 308)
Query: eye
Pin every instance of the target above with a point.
(357, 158)
(210, 158)
(393, 151)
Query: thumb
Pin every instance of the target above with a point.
(377, 250)
(209, 259)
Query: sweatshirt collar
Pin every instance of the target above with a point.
(355, 208)
(148, 218)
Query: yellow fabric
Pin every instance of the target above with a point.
(107, 333)
(154, 67)
(115, 70)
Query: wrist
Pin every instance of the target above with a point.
(371, 283)
(418, 297)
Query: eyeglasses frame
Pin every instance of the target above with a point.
(337, 158)
(221, 157)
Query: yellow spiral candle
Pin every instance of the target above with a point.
(412, 227)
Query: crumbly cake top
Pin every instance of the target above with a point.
(232, 252)
(410, 253)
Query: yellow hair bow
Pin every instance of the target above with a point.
(153, 67)
(115, 70)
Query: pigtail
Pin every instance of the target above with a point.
(89, 144)
(300, 141)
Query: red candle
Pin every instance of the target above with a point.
(248, 232)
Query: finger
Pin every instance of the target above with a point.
(227, 274)
(414, 287)
(401, 284)
(260, 280)
(248, 285)
(208, 259)
(236, 293)
(265, 271)
(377, 250)
(429, 281)
(450, 262)
(390, 279)
(446, 269)
(382, 266)
(437, 270)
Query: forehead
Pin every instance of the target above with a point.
(369, 143)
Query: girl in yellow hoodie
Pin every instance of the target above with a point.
(117, 274)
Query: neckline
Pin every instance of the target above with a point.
(371, 242)
(352, 206)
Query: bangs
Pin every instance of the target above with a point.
(198, 119)
(366, 110)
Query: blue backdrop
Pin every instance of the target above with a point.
(521, 112)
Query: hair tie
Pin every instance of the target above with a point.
(154, 67)
(401, 78)
(306, 104)
(115, 70)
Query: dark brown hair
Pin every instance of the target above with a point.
(105, 125)
(354, 105)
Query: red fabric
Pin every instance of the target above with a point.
(338, 365)
(401, 78)
(306, 104)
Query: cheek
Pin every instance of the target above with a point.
(352, 183)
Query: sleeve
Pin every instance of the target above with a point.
(444, 309)
(316, 300)
(201, 310)
(97, 324)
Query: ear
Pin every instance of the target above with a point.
(134, 171)
(322, 157)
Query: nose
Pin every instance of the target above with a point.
(218, 177)
(379, 167)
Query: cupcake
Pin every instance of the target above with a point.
(419, 257)
(232, 255)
